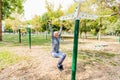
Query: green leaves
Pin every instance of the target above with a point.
(11, 6)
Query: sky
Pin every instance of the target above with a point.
(37, 7)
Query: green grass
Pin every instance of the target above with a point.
(13, 40)
(10, 40)
(90, 56)
(97, 56)
(7, 59)
(113, 63)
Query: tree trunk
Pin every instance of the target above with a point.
(0, 20)
(99, 33)
(80, 35)
(85, 35)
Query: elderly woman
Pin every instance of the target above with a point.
(55, 46)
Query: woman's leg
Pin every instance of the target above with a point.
(59, 55)
(62, 57)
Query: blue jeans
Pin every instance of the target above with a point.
(60, 55)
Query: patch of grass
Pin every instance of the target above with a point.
(7, 59)
(84, 57)
(106, 54)
(96, 54)
(90, 57)
(87, 63)
(37, 40)
(1, 44)
(13, 40)
(98, 60)
(113, 64)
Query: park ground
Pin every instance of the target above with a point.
(97, 60)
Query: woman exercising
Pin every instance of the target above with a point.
(55, 46)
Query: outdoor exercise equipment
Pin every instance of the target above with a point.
(19, 32)
(29, 35)
(77, 16)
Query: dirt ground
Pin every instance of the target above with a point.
(41, 66)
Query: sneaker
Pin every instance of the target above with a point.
(60, 67)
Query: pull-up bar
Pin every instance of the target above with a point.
(75, 46)
(82, 15)
(77, 16)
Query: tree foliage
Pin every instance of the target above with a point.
(10, 6)
(104, 24)
(52, 15)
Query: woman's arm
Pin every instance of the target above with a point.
(60, 31)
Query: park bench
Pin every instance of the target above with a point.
(67, 36)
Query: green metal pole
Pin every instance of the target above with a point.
(75, 46)
(75, 49)
(19, 35)
(29, 37)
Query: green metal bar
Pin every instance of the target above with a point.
(75, 49)
(29, 37)
(19, 35)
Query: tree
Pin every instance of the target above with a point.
(10, 6)
(71, 8)
(104, 7)
(12, 24)
(117, 28)
(45, 19)
(85, 27)
(36, 22)
(0, 20)
(52, 15)
(7, 7)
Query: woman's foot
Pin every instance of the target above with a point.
(60, 67)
